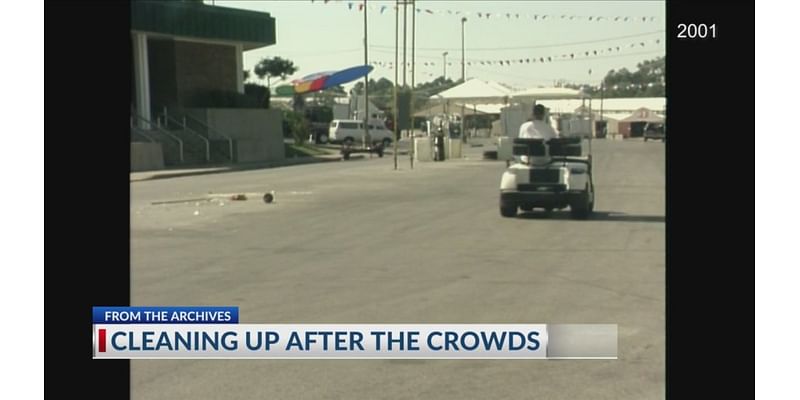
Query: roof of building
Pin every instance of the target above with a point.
(456, 108)
(195, 20)
(643, 115)
(547, 93)
(613, 116)
(617, 105)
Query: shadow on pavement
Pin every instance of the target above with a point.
(596, 216)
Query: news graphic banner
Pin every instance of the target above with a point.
(215, 332)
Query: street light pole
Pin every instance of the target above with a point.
(463, 77)
(405, 35)
(602, 90)
(444, 65)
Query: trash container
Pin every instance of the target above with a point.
(423, 150)
(438, 148)
(505, 148)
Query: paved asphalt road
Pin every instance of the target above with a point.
(356, 242)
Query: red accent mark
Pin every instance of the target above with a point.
(101, 340)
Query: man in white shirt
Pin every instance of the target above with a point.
(537, 128)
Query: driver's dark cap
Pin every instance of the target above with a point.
(538, 110)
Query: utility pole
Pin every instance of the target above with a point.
(396, 67)
(413, 72)
(405, 35)
(367, 139)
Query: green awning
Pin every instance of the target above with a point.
(196, 20)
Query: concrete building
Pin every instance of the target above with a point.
(357, 106)
(187, 91)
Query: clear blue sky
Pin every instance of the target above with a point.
(321, 37)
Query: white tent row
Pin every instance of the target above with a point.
(611, 106)
(476, 91)
(457, 107)
(630, 104)
(529, 95)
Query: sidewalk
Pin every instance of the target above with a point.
(173, 173)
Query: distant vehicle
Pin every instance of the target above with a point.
(319, 118)
(655, 132)
(348, 132)
(319, 132)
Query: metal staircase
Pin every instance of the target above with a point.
(184, 140)
(196, 147)
(221, 147)
(172, 146)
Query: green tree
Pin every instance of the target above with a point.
(298, 103)
(381, 92)
(434, 87)
(382, 86)
(646, 81)
(258, 92)
(273, 68)
(298, 125)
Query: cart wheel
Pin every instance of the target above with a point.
(508, 211)
(582, 208)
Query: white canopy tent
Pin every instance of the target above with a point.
(474, 91)
(472, 97)
(485, 108)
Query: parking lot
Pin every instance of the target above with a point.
(357, 242)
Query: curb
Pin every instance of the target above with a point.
(237, 168)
